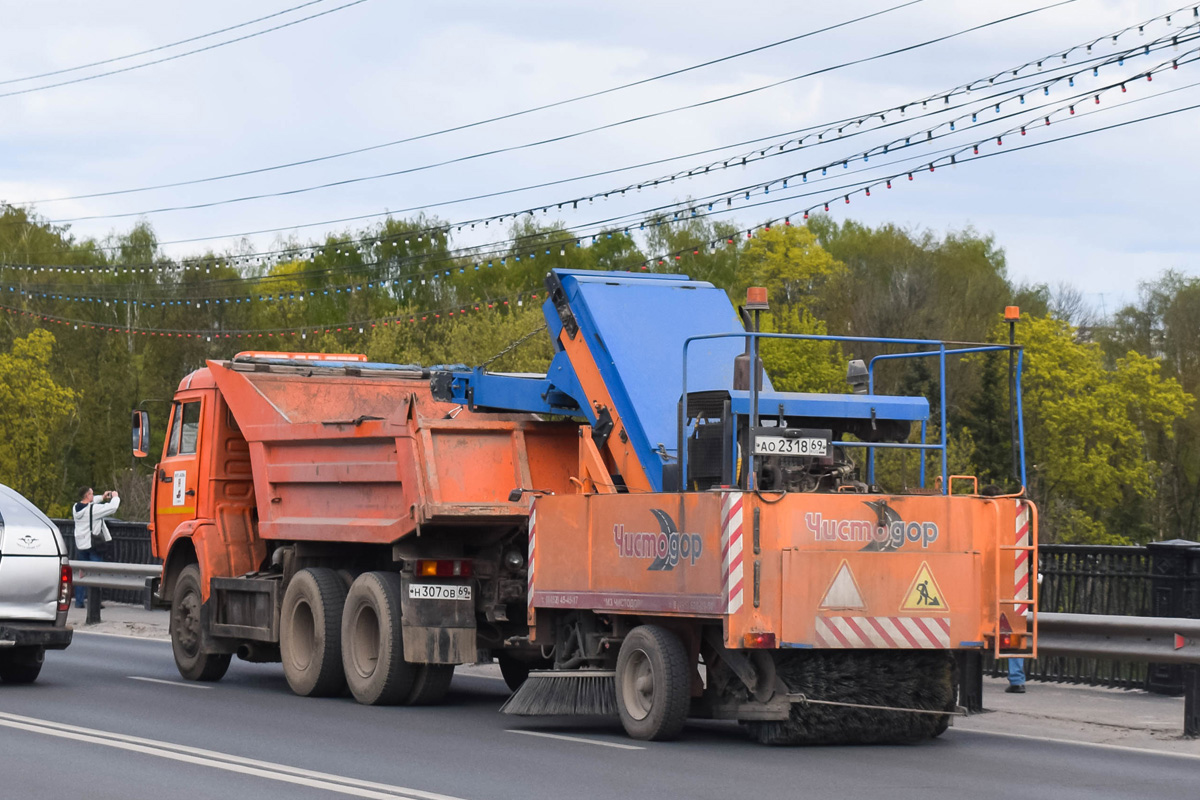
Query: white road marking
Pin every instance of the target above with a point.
(1118, 747)
(579, 739)
(221, 761)
(181, 684)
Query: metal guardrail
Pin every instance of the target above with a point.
(1152, 640)
(97, 575)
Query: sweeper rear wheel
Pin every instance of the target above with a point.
(653, 690)
(911, 680)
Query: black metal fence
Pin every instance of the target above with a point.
(1161, 580)
(130, 545)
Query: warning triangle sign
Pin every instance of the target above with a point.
(843, 593)
(924, 594)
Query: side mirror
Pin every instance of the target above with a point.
(141, 433)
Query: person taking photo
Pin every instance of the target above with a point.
(91, 534)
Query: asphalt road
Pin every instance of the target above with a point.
(110, 718)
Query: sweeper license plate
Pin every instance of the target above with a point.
(791, 442)
(438, 591)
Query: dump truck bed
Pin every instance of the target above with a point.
(361, 452)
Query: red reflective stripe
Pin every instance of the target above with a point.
(899, 623)
(737, 506)
(920, 623)
(863, 638)
(837, 634)
(878, 627)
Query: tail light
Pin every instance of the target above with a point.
(64, 586)
(444, 568)
(758, 639)
(1006, 641)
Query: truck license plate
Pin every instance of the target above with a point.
(787, 446)
(438, 591)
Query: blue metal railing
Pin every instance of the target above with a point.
(941, 352)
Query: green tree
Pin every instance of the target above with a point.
(34, 411)
(1087, 429)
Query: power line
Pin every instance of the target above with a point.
(540, 142)
(1048, 79)
(511, 248)
(764, 186)
(183, 54)
(478, 123)
(160, 47)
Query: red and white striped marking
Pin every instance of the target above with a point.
(731, 551)
(911, 633)
(1021, 570)
(532, 542)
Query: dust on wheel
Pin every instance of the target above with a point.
(187, 635)
(373, 644)
(310, 632)
(653, 689)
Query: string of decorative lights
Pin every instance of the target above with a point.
(361, 326)
(513, 114)
(745, 192)
(412, 317)
(184, 54)
(1119, 58)
(328, 290)
(578, 133)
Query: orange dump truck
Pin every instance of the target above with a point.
(648, 530)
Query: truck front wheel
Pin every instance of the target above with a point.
(310, 632)
(187, 635)
(373, 644)
(653, 688)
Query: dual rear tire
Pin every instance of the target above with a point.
(332, 639)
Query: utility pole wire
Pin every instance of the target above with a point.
(185, 53)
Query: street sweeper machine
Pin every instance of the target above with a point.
(648, 530)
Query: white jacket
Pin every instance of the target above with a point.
(95, 512)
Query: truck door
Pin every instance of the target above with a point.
(178, 477)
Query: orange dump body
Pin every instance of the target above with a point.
(807, 571)
(356, 456)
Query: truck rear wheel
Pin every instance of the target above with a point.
(22, 665)
(373, 644)
(653, 689)
(310, 633)
(187, 635)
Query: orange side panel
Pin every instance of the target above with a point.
(816, 570)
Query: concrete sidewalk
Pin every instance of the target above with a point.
(1055, 711)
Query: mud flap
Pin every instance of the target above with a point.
(437, 630)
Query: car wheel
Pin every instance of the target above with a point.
(22, 665)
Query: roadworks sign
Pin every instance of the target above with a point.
(923, 593)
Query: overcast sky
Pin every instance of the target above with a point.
(1103, 212)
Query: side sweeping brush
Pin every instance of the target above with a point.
(564, 693)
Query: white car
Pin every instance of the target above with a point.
(35, 588)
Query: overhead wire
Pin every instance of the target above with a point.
(184, 54)
(501, 117)
(847, 122)
(548, 140)
(394, 279)
(189, 40)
